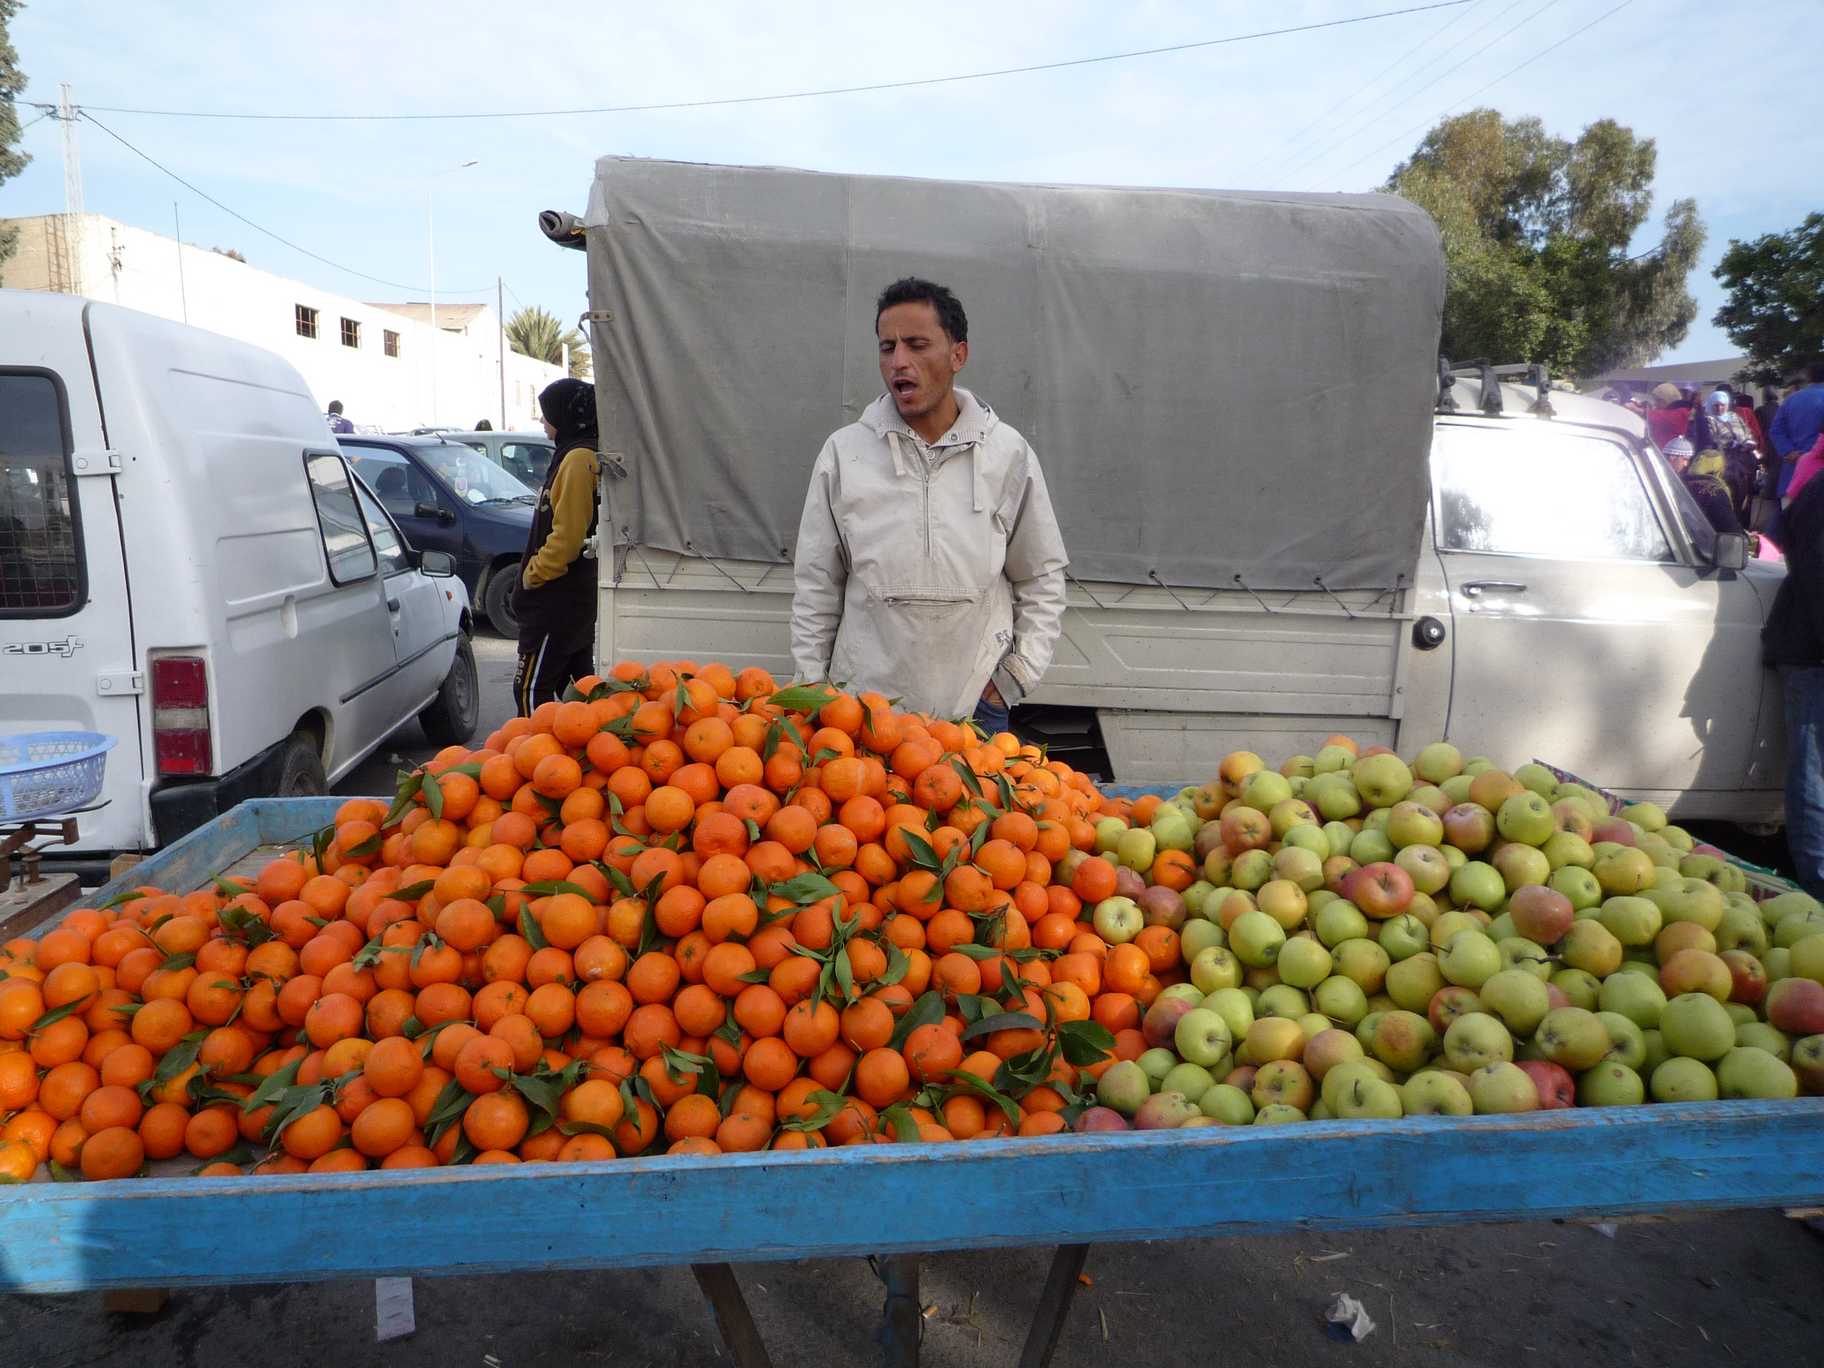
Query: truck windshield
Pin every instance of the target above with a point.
(40, 549)
(472, 477)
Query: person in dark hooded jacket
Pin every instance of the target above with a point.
(557, 590)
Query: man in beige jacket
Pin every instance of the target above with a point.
(929, 564)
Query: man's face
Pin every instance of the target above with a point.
(918, 361)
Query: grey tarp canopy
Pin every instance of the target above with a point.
(1218, 384)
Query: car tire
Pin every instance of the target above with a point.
(454, 714)
(497, 600)
(301, 771)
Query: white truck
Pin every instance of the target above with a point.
(1286, 517)
(187, 564)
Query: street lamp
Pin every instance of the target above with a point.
(430, 234)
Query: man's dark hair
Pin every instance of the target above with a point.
(1814, 372)
(335, 406)
(912, 290)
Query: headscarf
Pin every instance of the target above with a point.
(1719, 399)
(569, 406)
(1665, 394)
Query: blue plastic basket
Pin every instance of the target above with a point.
(45, 773)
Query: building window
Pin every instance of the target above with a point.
(389, 342)
(351, 333)
(306, 320)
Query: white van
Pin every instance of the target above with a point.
(187, 564)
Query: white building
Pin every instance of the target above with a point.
(375, 358)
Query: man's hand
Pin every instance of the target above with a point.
(992, 696)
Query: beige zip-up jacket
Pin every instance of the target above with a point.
(925, 571)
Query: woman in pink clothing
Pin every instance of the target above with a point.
(1809, 464)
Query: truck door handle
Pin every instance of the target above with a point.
(1476, 588)
(392, 605)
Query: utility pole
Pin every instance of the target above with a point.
(500, 343)
(72, 159)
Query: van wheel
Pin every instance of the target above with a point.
(301, 774)
(497, 600)
(453, 715)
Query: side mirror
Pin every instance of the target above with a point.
(437, 564)
(1731, 551)
(434, 511)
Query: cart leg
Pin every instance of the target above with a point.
(902, 1323)
(1054, 1306)
(733, 1318)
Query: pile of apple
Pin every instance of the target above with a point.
(1371, 938)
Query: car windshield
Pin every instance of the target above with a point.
(472, 476)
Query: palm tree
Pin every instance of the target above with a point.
(537, 333)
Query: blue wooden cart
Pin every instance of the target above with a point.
(1066, 1191)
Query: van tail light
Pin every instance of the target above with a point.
(180, 715)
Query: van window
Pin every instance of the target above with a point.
(393, 557)
(1543, 494)
(345, 541)
(41, 563)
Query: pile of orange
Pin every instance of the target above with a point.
(684, 912)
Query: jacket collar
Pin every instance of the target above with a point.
(974, 420)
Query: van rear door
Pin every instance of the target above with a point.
(67, 656)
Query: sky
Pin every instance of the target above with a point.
(1332, 109)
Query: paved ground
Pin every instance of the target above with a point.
(1724, 1290)
(1740, 1288)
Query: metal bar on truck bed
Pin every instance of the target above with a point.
(1214, 1181)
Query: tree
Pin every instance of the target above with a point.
(12, 82)
(1536, 232)
(1775, 309)
(537, 333)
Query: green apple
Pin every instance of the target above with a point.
(1263, 788)
(1118, 920)
(1632, 921)
(1282, 1000)
(1538, 779)
(1566, 850)
(1202, 1037)
(1435, 1092)
(1136, 849)
(1438, 762)
(1193, 1080)
(1339, 920)
(1156, 1063)
(1427, 867)
(1592, 947)
(1741, 928)
(1370, 1098)
(1682, 1079)
(1610, 1084)
(1517, 999)
(1502, 1088)
(1255, 938)
(1363, 961)
(1691, 900)
(1470, 959)
(1807, 958)
(1124, 1085)
(1627, 1042)
(1646, 816)
(1235, 1007)
(1478, 884)
(1334, 796)
(1370, 847)
(1638, 997)
(1657, 1053)
(1527, 818)
(1580, 987)
(1215, 967)
(1623, 869)
(1289, 813)
(1776, 909)
(1577, 884)
(1740, 1013)
(1765, 1037)
(1413, 824)
(1404, 936)
(1279, 1114)
(1456, 788)
(1697, 1025)
(1109, 832)
(1227, 1104)
(1341, 1000)
(1430, 796)
(1403, 1040)
(1197, 935)
(1517, 952)
(1572, 1037)
(1747, 1071)
(1308, 837)
(1303, 963)
(1299, 866)
(1475, 1039)
(1250, 870)
(1412, 982)
(1382, 780)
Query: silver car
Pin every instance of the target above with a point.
(525, 454)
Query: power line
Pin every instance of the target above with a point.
(1317, 160)
(1285, 149)
(796, 94)
(1511, 71)
(260, 228)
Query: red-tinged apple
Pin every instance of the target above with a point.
(1425, 865)
(1160, 1024)
(1796, 1006)
(1329, 1048)
(1162, 906)
(1553, 1083)
(1245, 828)
(1235, 768)
(1682, 936)
(1381, 890)
(1449, 1003)
(1337, 870)
(1808, 1064)
(1285, 1081)
(1696, 971)
(1129, 883)
(1242, 1077)
(1573, 818)
(1493, 787)
(1541, 914)
(1164, 1111)
(1615, 830)
(1749, 977)
(1469, 827)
